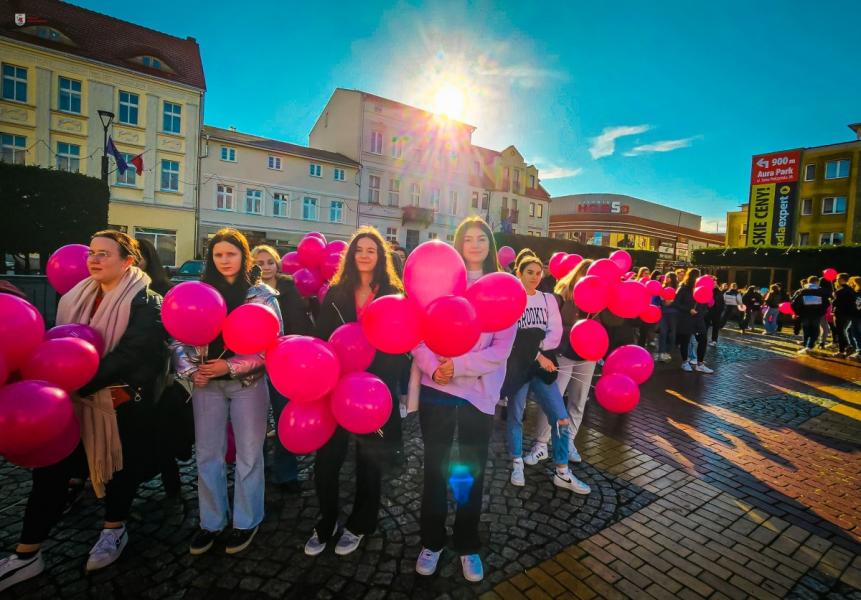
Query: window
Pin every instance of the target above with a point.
(475, 199)
(505, 203)
(274, 162)
(336, 211)
(452, 202)
(374, 189)
(833, 238)
(14, 83)
(164, 241)
(315, 170)
(476, 168)
(434, 201)
(279, 205)
(376, 142)
(531, 209)
(254, 201)
(532, 181)
(309, 209)
(394, 192)
(809, 172)
(129, 104)
(485, 200)
(48, 33)
(169, 176)
(415, 194)
(12, 148)
(803, 239)
(517, 179)
(224, 197)
(837, 169)
(449, 237)
(70, 96)
(130, 176)
(834, 206)
(392, 234)
(338, 174)
(151, 61)
(397, 147)
(506, 175)
(432, 235)
(228, 154)
(539, 211)
(807, 206)
(68, 157)
(172, 118)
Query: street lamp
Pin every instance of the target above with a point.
(107, 118)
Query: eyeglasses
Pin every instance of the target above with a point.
(98, 256)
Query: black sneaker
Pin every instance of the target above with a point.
(239, 540)
(290, 487)
(202, 541)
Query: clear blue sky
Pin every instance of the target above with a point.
(697, 87)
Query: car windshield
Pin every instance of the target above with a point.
(191, 268)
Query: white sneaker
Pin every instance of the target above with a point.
(537, 454)
(314, 546)
(573, 454)
(517, 477)
(427, 561)
(568, 481)
(666, 357)
(472, 569)
(656, 356)
(108, 549)
(15, 570)
(804, 350)
(348, 543)
(712, 344)
(702, 368)
(686, 366)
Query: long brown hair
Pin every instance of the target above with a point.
(347, 279)
(128, 245)
(210, 271)
(565, 286)
(671, 280)
(491, 263)
(690, 279)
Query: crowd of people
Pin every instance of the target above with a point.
(132, 412)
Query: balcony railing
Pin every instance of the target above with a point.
(416, 214)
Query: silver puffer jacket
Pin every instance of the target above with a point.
(247, 368)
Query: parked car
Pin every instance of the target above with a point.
(189, 271)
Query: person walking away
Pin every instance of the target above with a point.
(809, 304)
(771, 318)
(843, 310)
(714, 316)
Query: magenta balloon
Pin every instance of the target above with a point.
(499, 300)
(589, 339)
(591, 294)
(77, 330)
(22, 329)
(605, 268)
(392, 324)
(668, 293)
(628, 299)
(317, 235)
(4, 371)
(193, 313)
(568, 263)
(337, 246)
(654, 287)
(631, 360)
(302, 368)
(312, 251)
(785, 308)
(306, 426)
(361, 402)
(703, 294)
(308, 281)
(829, 274)
(330, 265)
(321, 293)
(450, 326)
(32, 413)
(628, 275)
(617, 393)
(354, 351)
(622, 259)
(250, 329)
(53, 451)
(433, 270)
(705, 281)
(651, 314)
(67, 267)
(290, 263)
(555, 264)
(506, 256)
(69, 363)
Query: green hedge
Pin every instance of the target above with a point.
(803, 261)
(546, 247)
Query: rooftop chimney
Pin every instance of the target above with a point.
(856, 127)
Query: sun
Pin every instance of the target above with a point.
(449, 101)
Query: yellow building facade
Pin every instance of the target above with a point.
(736, 227)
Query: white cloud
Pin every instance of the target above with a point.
(714, 225)
(556, 172)
(605, 144)
(663, 146)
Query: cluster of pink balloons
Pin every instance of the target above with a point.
(314, 263)
(624, 369)
(562, 263)
(438, 309)
(328, 385)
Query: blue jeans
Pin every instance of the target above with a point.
(550, 401)
(667, 332)
(247, 409)
(285, 467)
(855, 333)
(770, 320)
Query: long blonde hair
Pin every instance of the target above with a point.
(565, 286)
(270, 251)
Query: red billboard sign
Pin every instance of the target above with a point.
(777, 167)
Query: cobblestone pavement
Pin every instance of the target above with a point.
(741, 484)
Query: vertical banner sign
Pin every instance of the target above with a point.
(773, 189)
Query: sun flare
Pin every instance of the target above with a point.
(449, 101)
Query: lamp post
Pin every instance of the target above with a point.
(107, 117)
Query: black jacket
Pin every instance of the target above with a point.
(716, 310)
(809, 303)
(752, 300)
(773, 299)
(844, 302)
(293, 313)
(683, 304)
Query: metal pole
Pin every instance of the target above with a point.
(105, 156)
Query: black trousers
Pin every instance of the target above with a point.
(438, 424)
(715, 322)
(810, 327)
(841, 323)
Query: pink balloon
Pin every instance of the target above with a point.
(193, 313)
(668, 293)
(361, 403)
(785, 308)
(303, 368)
(606, 268)
(290, 262)
(337, 246)
(321, 293)
(651, 314)
(506, 255)
(705, 281)
(829, 274)
(392, 324)
(451, 326)
(703, 294)
(589, 339)
(21, 330)
(631, 360)
(77, 330)
(4, 371)
(591, 294)
(55, 450)
(312, 251)
(352, 348)
(68, 363)
(617, 393)
(622, 259)
(568, 264)
(32, 413)
(628, 275)
(433, 270)
(330, 265)
(306, 426)
(628, 299)
(308, 281)
(654, 287)
(318, 235)
(499, 300)
(555, 264)
(250, 329)
(67, 267)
